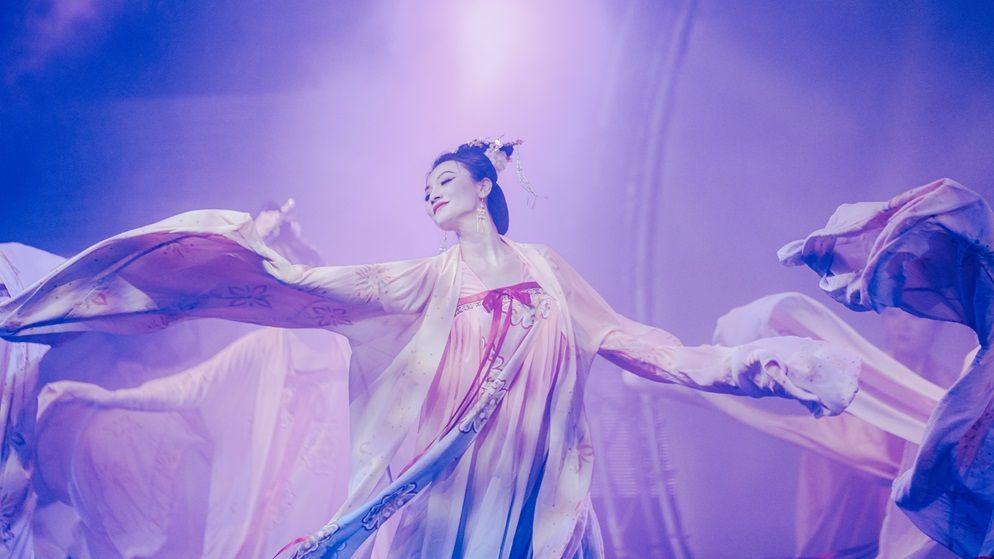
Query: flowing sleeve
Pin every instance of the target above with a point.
(927, 251)
(188, 389)
(208, 264)
(820, 376)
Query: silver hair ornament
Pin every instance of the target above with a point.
(499, 160)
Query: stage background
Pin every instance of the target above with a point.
(676, 145)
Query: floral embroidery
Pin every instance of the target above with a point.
(316, 540)
(97, 297)
(177, 248)
(247, 296)
(326, 315)
(388, 505)
(491, 393)
(370, 281)
(467, 306)
(493, 356)
(525, 315)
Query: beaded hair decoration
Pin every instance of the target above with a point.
(500, 159)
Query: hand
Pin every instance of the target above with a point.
(268, 223)
(821, 376)
(775, 377)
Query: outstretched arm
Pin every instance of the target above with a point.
(241, 361)
(785, 366)
(820, 376)
(208, 263)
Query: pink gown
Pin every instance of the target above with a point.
(483, 504)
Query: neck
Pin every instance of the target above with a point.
(484, 244)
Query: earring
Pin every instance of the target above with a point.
(481, 210)
(445, 238)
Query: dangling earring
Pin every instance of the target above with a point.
(445, 238)
(481, 211)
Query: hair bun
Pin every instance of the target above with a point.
(500, 158)
(496, 149)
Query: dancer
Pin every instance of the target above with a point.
(468, 435)
(927, 251)
(235, 453)
(231, 457)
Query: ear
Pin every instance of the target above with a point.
(486, 185)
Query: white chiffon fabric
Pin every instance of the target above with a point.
(266, 414)
(851, 460)
(399, 319)
(20, 265)
(927, 251)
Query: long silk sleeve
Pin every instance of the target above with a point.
(188, 389)
(208, 263)
(927, 251)
(822, 377)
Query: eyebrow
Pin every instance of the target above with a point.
(440, 176)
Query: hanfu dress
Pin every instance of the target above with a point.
(467, 429)
(483, 504)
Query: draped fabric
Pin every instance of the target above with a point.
(20, 265)
(892, 399)
(849, 461)
(927, 251)
(231, 454)
(398, 318)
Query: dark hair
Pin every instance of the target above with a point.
(474, 159)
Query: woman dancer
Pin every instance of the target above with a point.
(468, 435)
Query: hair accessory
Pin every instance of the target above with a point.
(500, 159)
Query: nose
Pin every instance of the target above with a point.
(432, 198)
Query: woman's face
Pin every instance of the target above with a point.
(451, 194)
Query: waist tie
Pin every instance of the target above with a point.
(500, 323)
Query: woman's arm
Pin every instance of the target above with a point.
(206, 264)
(820, 376)
(263, 351)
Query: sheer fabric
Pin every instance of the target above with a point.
(927, 251)
(399, 319)
(20, 265)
